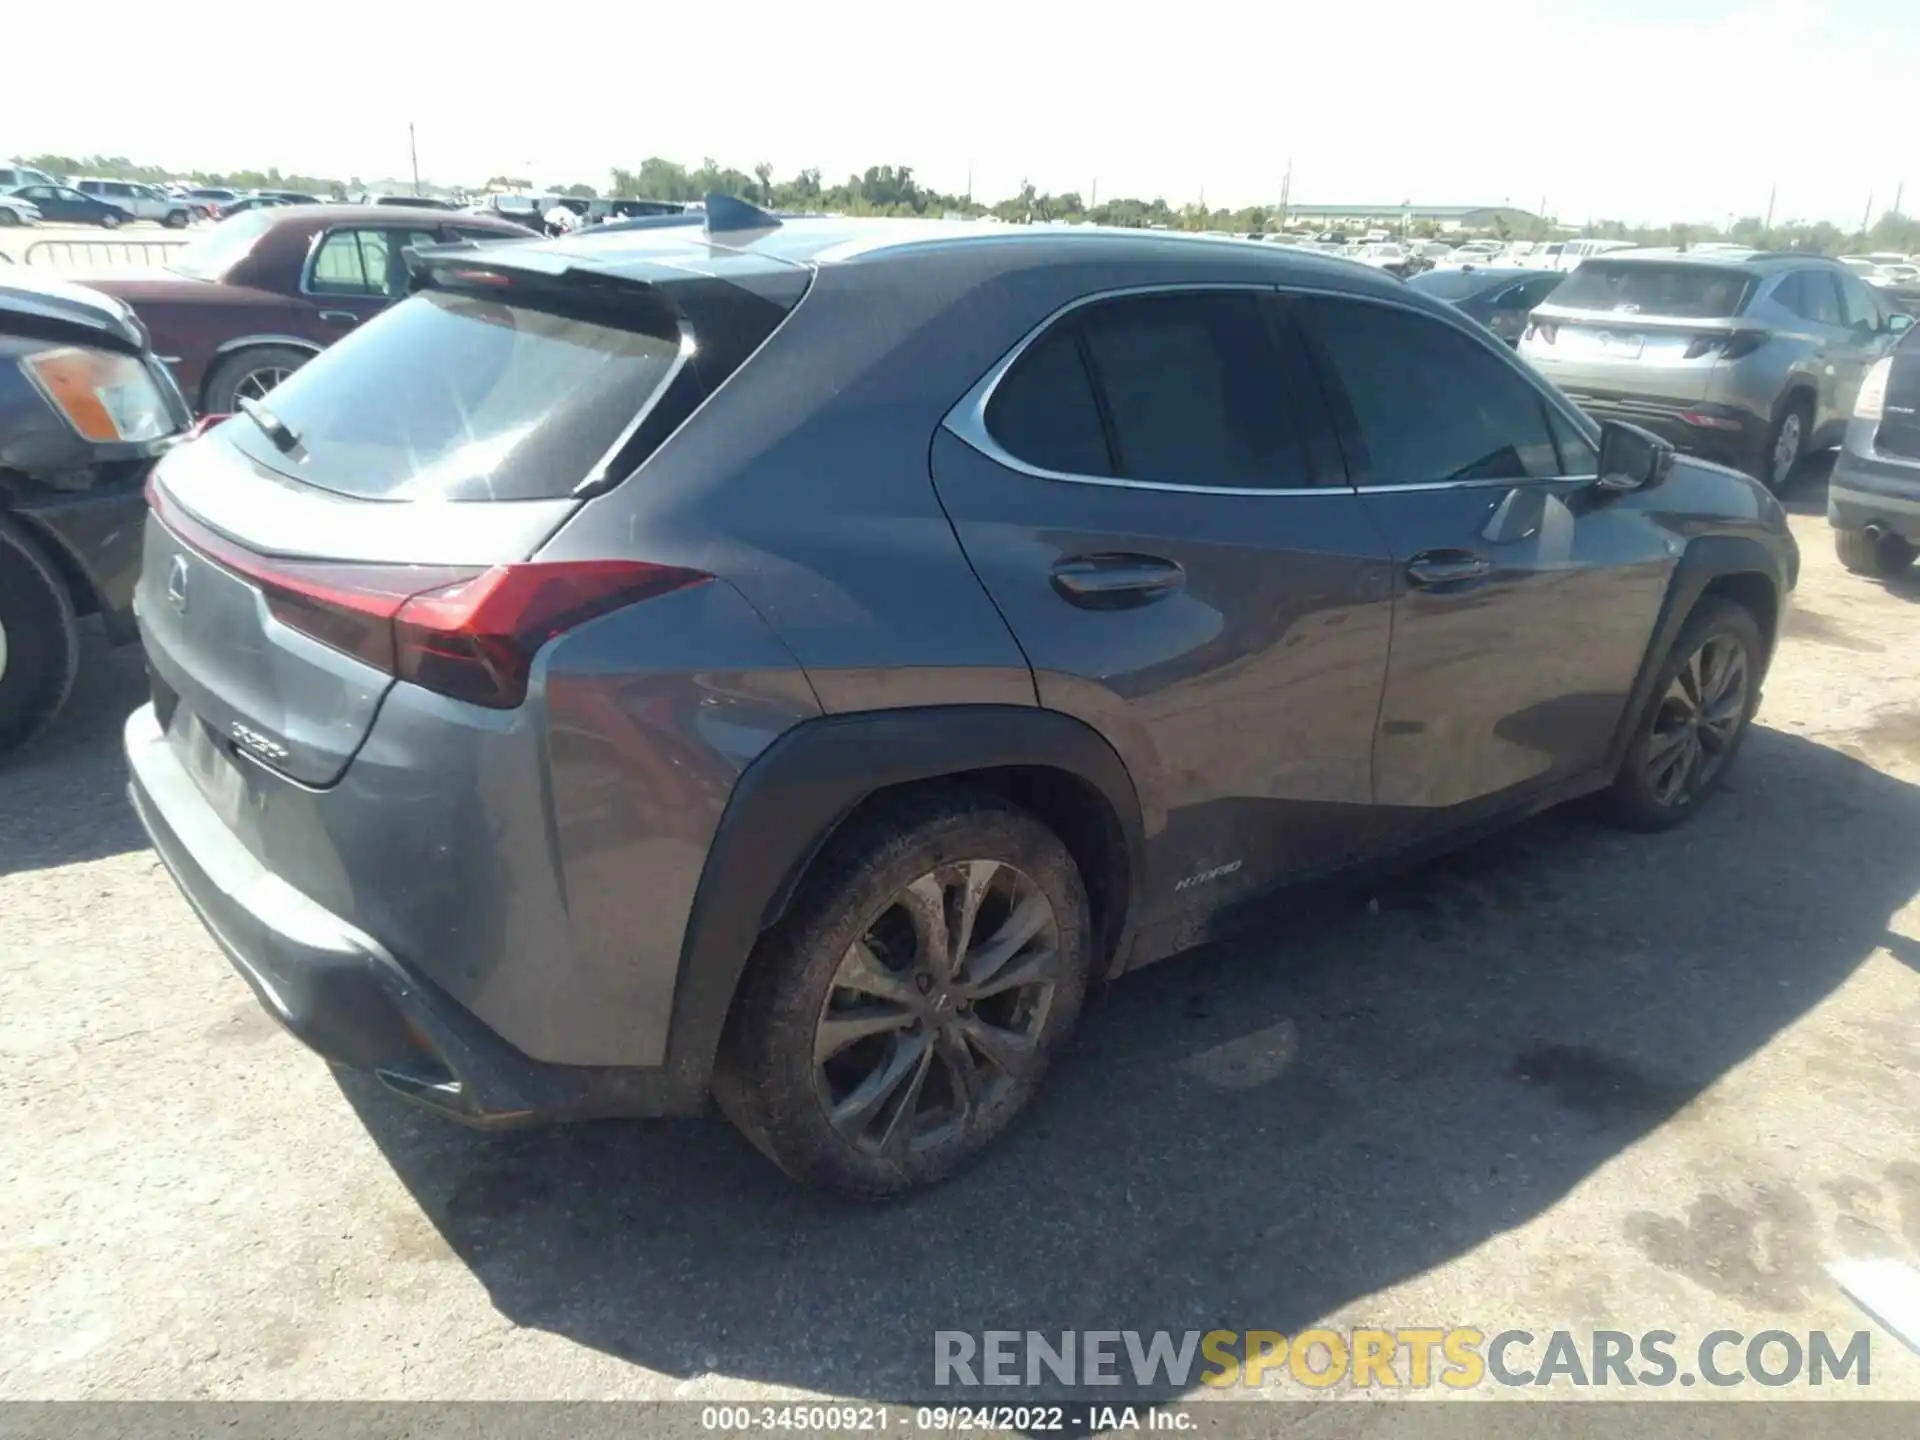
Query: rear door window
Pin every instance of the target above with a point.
(1811, 295)
(451, 396)
(1043, 411)
(1430, 404)
(1647, 287)
(1193, 390)
(354, 262)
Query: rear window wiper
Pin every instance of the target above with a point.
(276, 429)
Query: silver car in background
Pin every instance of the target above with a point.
(1750, 358)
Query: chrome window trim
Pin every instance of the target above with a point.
(1511, 483)
(967, 420)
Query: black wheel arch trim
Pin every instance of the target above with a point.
(1707, 559)
(791, 800)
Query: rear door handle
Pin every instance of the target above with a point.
(340, 317)
(1447, 567)
(1116, 582)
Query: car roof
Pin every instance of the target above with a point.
(839, 241)
(1719, 258)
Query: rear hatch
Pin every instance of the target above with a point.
(374, 520)
(1642, 328)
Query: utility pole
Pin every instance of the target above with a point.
(1094, 203)
(1286, 191)
(1899, 194)
(1772, 192)
(414, 151)
(1866, 220)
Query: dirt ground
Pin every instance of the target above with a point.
(1567, 1079)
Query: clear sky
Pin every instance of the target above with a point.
(1638, 110)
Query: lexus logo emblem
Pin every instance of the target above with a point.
(177, 584)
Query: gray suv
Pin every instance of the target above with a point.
(788, 662)
(1746, 357)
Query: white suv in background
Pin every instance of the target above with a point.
(145, 202)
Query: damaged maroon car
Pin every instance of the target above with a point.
(259, 295)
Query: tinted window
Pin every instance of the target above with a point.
(458, 397)
(1857, 301)
(1810, 294)
(1043, 411)
(1192, 387)
(1688, 291)
(1431, 404)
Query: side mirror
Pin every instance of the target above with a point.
(1632, 458)
(1899, 324)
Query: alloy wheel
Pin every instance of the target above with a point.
(1786, 449)
(936, 1011)
(255, 384)
(1698, 720)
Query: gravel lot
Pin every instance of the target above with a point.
(1568, 1078)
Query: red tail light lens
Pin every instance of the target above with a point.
(475, 639)
(1742, 343)
(465, 632)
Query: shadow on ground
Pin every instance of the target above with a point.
(1250, 1135)
(64, 798)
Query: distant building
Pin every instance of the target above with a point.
(1446, 217)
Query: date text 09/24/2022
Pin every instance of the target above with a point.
(880, 1419)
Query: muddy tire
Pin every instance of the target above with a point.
(902, 1015)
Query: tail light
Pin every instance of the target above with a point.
(1727, 345)
(464, 631)
(1872, 402)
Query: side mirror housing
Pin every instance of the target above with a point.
(1632, 458)
(1899, 324)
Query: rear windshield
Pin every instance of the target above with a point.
(218, 250)
(452, 396)
(1689, 292)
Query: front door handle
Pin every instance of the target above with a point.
(340, 317)
(1447, 567)
(1116, 582)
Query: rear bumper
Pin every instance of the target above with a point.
(340, 992)
(1868, 488)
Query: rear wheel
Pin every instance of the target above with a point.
(1703, 702)
(175, 220)
(39, 644)
(110, 221)
(8, 217)
(250, 374)
(901, 1017)
(1786, 443)
(1865, 554)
